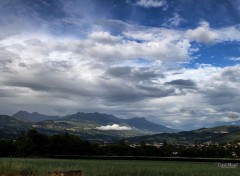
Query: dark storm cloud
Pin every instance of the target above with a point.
(181, 83)
(22, 64)
(134, 73)
(223, 92)
(8, 93)
(123, 72)
(59, 65)
(144, 74)
(231, 75)
(234, 115)
(6, 57)
(135, 84)
(156, 92)
(37, 86)
(51, 83)
(137, 93)
(224, 98)
(124, 96)
(55, 84)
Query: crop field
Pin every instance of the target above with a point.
(40, 167)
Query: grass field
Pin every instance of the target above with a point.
(40, 167)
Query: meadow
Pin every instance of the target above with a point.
(40, 167)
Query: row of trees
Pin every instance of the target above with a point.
(33, 143)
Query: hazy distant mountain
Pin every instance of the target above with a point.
(218, 134)
(221, 123)
(33, 117)
(143, 124)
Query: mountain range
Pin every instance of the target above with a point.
(33, 117)
(92, 126)
(108, 128)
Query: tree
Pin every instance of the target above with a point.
(7, 148)
(32, 143)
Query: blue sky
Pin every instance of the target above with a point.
(173, 62)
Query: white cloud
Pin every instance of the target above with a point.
(203, 33)
(153, 34)
(160, 44)
(175, 21)
(230, 33)
(114, 127)
(234, 58)
(207, 35)
(104, 37)
(152, 3)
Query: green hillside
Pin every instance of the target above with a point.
(217, 134)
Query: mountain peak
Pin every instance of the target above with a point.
(22, 112)
(33, 117)
(96, 117)
(139, 118)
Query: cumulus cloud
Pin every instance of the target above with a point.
(203, 33)
(113, 127)
(161, 49)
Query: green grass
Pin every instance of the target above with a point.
(40, 167)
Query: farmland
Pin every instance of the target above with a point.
(40, 167)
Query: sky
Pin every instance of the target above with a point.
(176, 63)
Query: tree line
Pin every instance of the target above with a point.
(34, 143)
